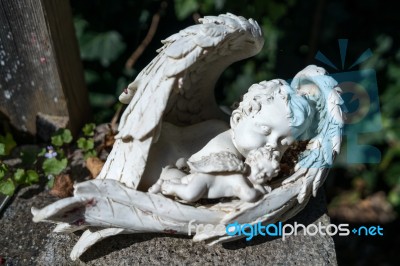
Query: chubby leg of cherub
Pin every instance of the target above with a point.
(193, 190)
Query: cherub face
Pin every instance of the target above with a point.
(267, 127)
(263, 169)
(264, 164)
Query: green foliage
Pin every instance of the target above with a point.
(7, 187)
(50, 183)
(105, 47)
(22, 177)
(86, 143)
(32, 177)
(61, 137)
(3, 170)
(90, 153)
(19, 176)
(88, 129)
(53, 166)
(50, 162)
(8, 143)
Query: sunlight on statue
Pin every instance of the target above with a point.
(177, 159)
(260, 125)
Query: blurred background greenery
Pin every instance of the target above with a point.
(110, 34)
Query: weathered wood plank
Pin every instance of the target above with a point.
(40, 68)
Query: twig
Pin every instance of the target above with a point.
(115, 119)
(150, 34)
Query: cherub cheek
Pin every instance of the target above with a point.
(253, 141)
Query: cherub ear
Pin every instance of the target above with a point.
(235, 118)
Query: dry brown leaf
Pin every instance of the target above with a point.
(94, 165)
(109, 140)
(63, 186)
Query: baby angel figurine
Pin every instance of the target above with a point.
(239, 161)
(220, 175)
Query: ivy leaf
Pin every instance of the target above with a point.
(88, 129)
(32, 176)
(19, 176)
(61, 137)
(53, 166)
(105, 47)
(90, 153)
(7, 187)
(66, 135)
(57, 140)
(85, 144)
(9, 143)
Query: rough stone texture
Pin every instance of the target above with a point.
(47, 125)
(23, 242)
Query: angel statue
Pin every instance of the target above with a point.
(179, 158)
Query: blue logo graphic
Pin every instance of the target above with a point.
(361, 100)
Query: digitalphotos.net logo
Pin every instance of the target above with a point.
(249, 231)
(361, 101)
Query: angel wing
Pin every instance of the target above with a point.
(311, 170)
(314, 83)
(218, 163)
(178, 86)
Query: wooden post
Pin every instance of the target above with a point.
(40, 67)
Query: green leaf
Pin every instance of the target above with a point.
(57, 140)
(394, 196)
(42, 152)
(2, 149)
(85, 144)
(3, 170)
(88, 129)
(53, 166)
(105, 47)
(7, 187)
(50, 183)
(9, 143)
(32, 176)
(90, 153)
(66, 135)
(19, 176)
(61, 137)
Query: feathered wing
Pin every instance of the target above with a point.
(178, 86)
(221, 162)
(314, 83)
(292, 196)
